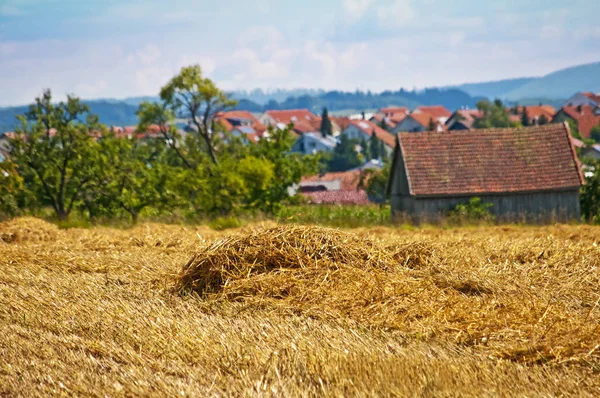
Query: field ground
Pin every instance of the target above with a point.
(292, 310)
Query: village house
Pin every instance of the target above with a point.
(587, 117)
(463, 119)
(364, 129)
(334, 188)
(312, 142)
(420, 121)
(584, 99)
(242, 124)
(380, 120)
(438, 112)
(285, 117)
(529, 172)
(535, 113)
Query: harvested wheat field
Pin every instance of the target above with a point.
(281, 310)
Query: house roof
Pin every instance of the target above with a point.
(536, 111)
(585, 117)
(328, 141)
(338, 197)
(468, 117)
(378, 118)
(225, 117)
(291, 115)
(369, 127)
(488, 161)
(593, 97)
(423, 118)
(342, 122)
(394, 110)
(437, 111)
(349, 179)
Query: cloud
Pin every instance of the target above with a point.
(262, 36)
(456, 38)
(91, 90)
(148, 55)
(355, 9)
(396, 13)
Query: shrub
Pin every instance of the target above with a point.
(473, 211)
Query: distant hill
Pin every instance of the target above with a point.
(495, 89)
(110, 113)
(560, 84)
(555, 86)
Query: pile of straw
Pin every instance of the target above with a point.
(27, 229)
(279, 250)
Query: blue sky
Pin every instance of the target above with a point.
(121, 48)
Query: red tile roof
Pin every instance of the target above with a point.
(437, 111)
(424, 119)
(222, 117)
(395, 110)
(370, 127)
(535, 111)
(378, 118)
(338, 197)
(291, 115)
(487, 161)
(584, 116)
(593, 97)
(342, 122)
(349, 179)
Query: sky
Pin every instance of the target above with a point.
(124, 48)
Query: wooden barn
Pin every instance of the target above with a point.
(529, 173)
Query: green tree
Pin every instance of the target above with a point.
(136, 175)
(493, 115)
(55, 151)
(198, 98)
(288, 168)
(432, 125)
(11, 187)
(375, 146)
(525, 121)
(543, 120)
(375, 181)
(345, 156)
(384, 124)
(595, 133)
(326, 128)
(590, 195)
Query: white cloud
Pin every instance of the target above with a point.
(456, 38)
(91, 90)
(265, 37)
(396, 13)
(355, 9)
(148, 55)
(551, 31)
(150, 80)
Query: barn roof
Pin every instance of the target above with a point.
(489, 161)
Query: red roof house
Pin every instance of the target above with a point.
(522, 172)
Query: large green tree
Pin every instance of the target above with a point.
(55, 150)
(195, 98)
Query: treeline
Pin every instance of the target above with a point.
(122, 113)
(62, 158)
(361, 100)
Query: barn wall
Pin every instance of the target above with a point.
(534, 207)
